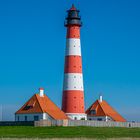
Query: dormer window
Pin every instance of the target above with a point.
(27, 107)
(30, 105)
(93, 112)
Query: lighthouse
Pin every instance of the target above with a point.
(73, 89)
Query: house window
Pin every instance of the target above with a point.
(93, 112)
(25, 118)
(99, 119)
(36, 118)
(75, 118)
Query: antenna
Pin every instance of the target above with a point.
(1, 112)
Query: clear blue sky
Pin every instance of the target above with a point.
(32, 46)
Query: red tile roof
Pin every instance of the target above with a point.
(104, 109)
(37, 104)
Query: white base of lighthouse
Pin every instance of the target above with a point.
(77, 116)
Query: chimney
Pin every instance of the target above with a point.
(41, 92)
(100, 98)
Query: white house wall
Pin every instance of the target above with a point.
(77, 116)
(102, 118)
(30, 117)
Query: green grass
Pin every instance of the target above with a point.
(67, 132)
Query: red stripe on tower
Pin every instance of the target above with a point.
(73, 64)
(73, 90)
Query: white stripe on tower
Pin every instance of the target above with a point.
(73, 47)
(73, 81)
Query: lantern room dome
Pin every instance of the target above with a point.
(73, 17)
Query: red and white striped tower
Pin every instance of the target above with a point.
(73, 90)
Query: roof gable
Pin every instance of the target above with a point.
(31, 106)
(37, 104)
(104, 109)
(96, 106)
